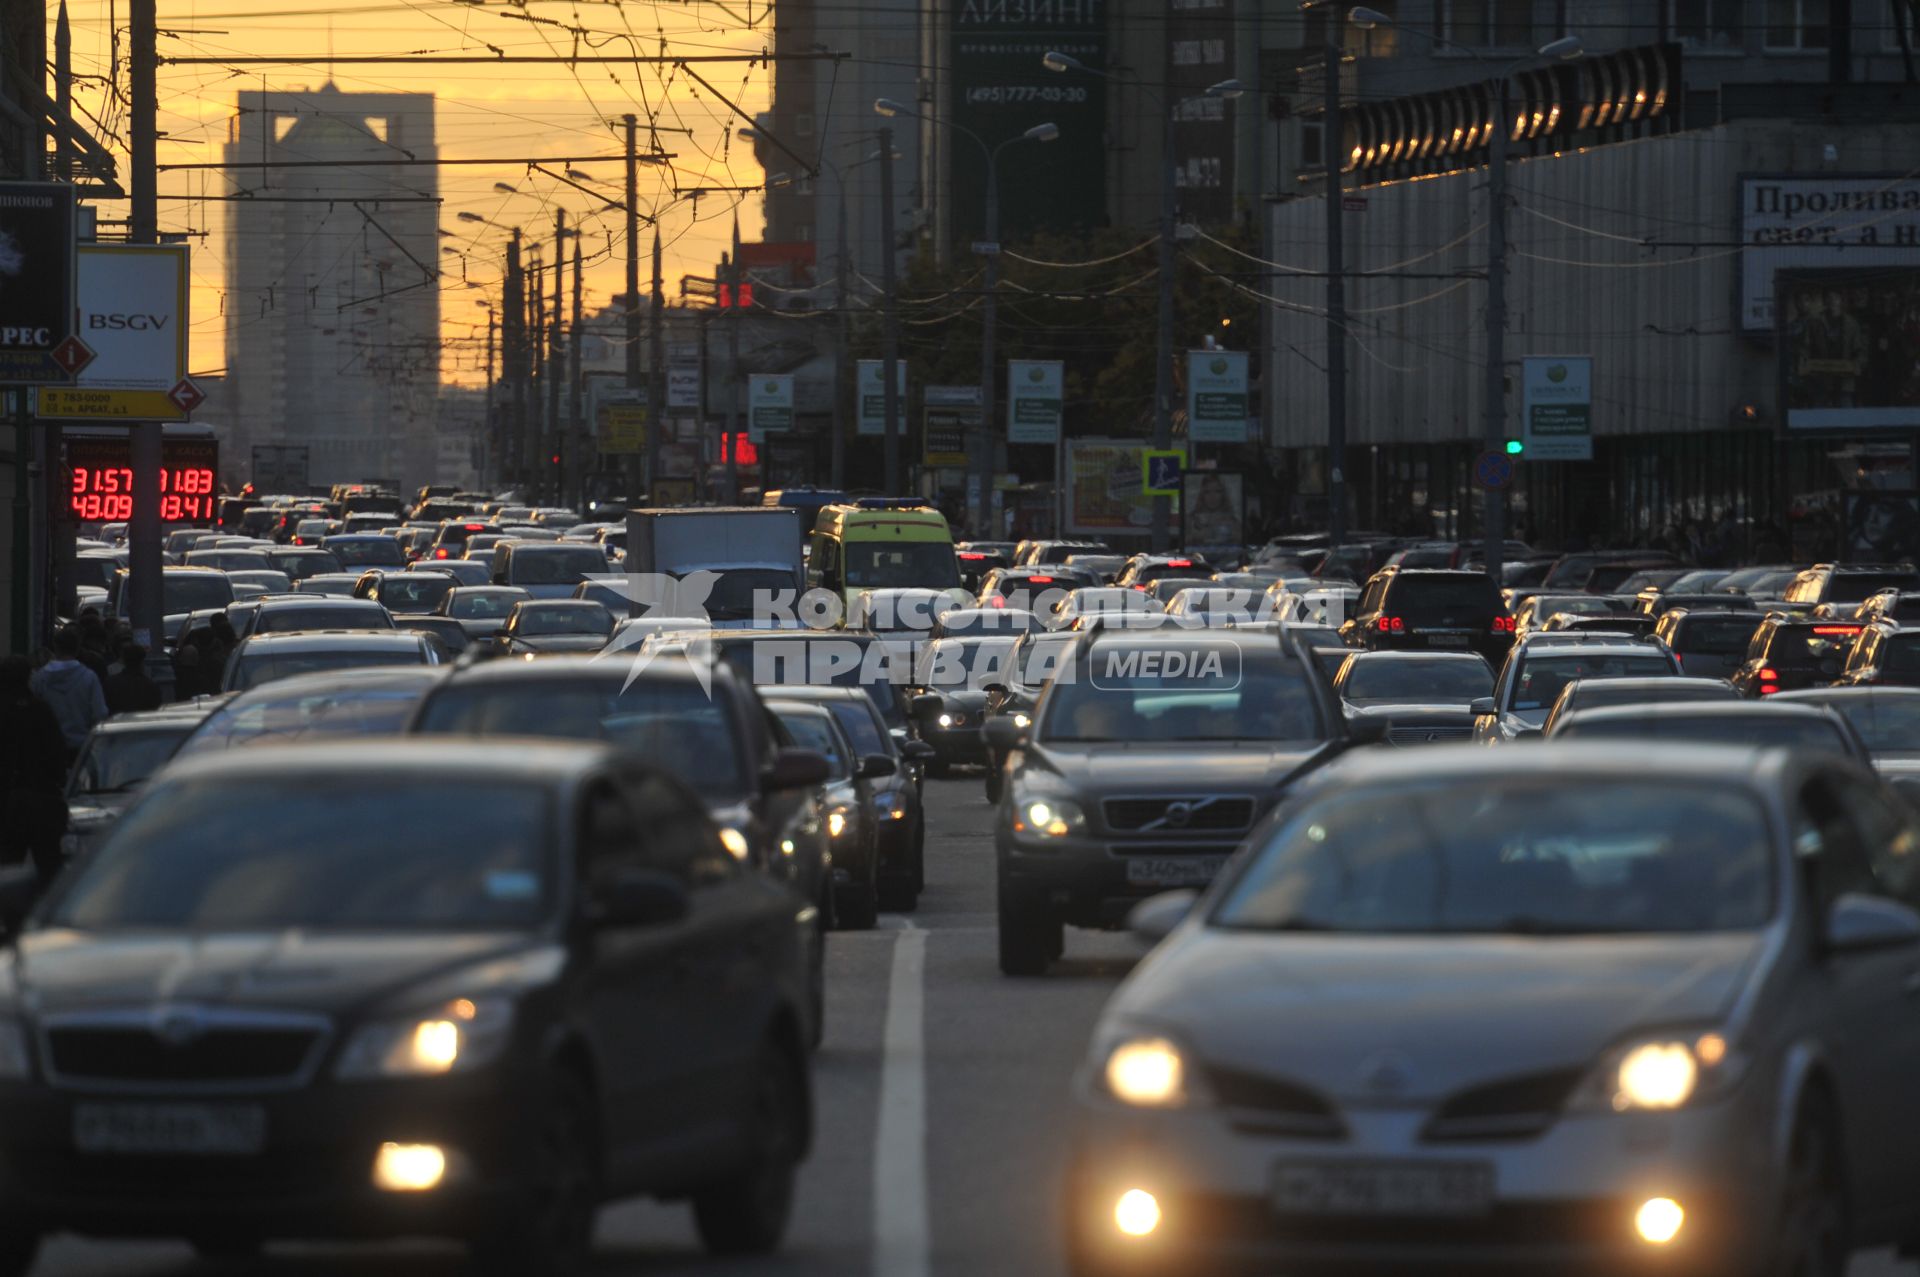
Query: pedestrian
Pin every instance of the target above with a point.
(132, 688)
(224, 639)
(71, 691)
(32, 773)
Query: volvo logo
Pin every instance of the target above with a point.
(178, 1026)
(1178, 814)
(1387, 1073)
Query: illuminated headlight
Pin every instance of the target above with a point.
(1022, 719)
(892, 804)
(946, 720)
(735, 842)
(15, 1064)
(1148, 1071)
(836, 823)
(1660, 1073)
(466, 1033)
(1047, 817)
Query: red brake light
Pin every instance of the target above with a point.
(1836, 629)
(1503, 625)
(1179, 563)
(440, 553)
(1769, 673)
(970, 556)
(476, 527)
(1392, 624)
(1040, 580)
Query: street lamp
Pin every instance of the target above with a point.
(504, 189)
(1503, 125)
(1053, 60)
(471, 217)
(990, 249)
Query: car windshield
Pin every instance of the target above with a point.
(1715, 637)
(370, 552)
(1886, 723)
(1858, 587)
(1794, 732)
(1396, 678)
(743, 594)
(669, 723)
(415, 593)
(1526, 856)
(305, 714)
(270, 854)
(1040, 658)
(588, 619)
(1542, 677)
(283, 620)
(257, 667)
(114, 762)
(966, 663)
(811, 731)
(189, 592)
(872, 565)
(558, 565)
(1192, 690)
(474, 605)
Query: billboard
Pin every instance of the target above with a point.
(1036, 388)
(1215, 501)
(769, 404)
(1104, 493)
(1200, 52)
(1826, 221)
(1848, 341)
(1556, 407)
(999, 90)
(870, 382)
(133, 315)
(1217, 396)
(36, 280)
(951, 418)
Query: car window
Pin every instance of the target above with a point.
(1542, 678)
(1190, 691)
(1887, 835)
(1712, 637)
(811, 731)
(680, 839)
(609, 832)
(1829, 848)
(858, 722)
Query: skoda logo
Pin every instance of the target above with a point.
(178, 1026)
(1386, 1074)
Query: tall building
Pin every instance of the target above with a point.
(333, 293)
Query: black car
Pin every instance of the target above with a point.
(545, 985)
(852, 832)
(1034, 660)
(545, 627)
(1419, 608)
(1709, 642)
(1787, 653)
(1887, 718)
(1413, 698)
(121, 754)
(1763, 725)
(1148, 758)
(1583, 694)
(839, 658)
(1885, 655)
(950, 701)
(1846, 585)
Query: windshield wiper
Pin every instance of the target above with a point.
(1528, 925)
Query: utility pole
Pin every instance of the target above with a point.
(657, 383)
(633, 283)
(983, 446)
(1163, 348)
(1494, 508)
(554, 436)
(1333, 154)
(577, 450)
(890, 344)
(513, 347)
(845, 393)
(144, 562)
(490, 457)
(730, 267)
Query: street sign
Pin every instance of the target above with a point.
(1160, 472)
(1216, 396)
(769, 404)
(133, 320)
(72, 355)
(986, 248)
(1036, 388)
(683, 386)
(1556, 406)
(949, 418)
(870, 390)
(1493, 470)
(36, 280)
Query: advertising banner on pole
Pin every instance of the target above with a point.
(1216, 396)
(683, 386)
(36, 283)
(1556, 407)
(949, 418)
(870, 386)
(133, 318)
(1035, 390)
(769, 404)
(1103, 487)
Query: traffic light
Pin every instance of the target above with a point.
(1515, 447)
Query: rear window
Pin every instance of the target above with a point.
(1715, 637)
(1811, 644)
(1902, 655)
(1858, 587)
(259, 667)
(1749, 730)
(1542, 678)
(1442, 600)
(415, 594)
(560, 565)
(372, 552)
(535, 621)
(282, 620)
(181, 592)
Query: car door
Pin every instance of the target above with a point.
(1864, 1005)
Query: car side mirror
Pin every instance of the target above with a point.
(994, 689)
(794, 769)
(876, 766)
(1003, 734)
(1154, 918)
(1482, 707)
(1857, 924)
(925, 705)
(918, 751)
(638, 898)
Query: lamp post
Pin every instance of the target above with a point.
(1494, 424)
(1163, 353)
(982, 446)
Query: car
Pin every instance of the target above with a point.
(259, 580)
(333, 584)
(229, 560)
(1615, 1038)
(182, 590)
(546, 570)
(362, 550)
(1543, 639)
(898, 813)
(1604, 693)
(1103, 567)
(1310, 603)
(1533, 676)
(1884, 655)
(1887, 718)
(1413, 698)
(1215, 604)
(447, 634)
(1143, 570)
(1891, 605)
(1836, 584)
(263, 658)
(1709, 642)
(839, 658)
(367, 701)
(1749, 724)
(950, 696)
(1533, 613)
(481, 609)
(1099, 600)
(970, 622)
(1035, 659)
(1035, 590)
(1765, 581)
(852, 832)
(1149, 756)
(906, 613)
(1163, 589)
(1579, 623)
(304, 612)
(301, 562)
(631, 631)
(544, 627)
(450, 537)
(1650, 579)
(454, 1028)
(1789, 652)
(1040, 554)
(463, 571)
(1657, 603)
(1422, 608)
(417, 593)
(120, 755)
(1597, 571)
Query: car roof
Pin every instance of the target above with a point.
(452, 757)
(1592, 649)
(1706, 764)
(357, 678)
(1429, 654)
(285, 602)
(1701, 709)
(187, 715)
(322, 640)
(571, 668)
(569, 605)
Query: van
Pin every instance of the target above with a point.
(883, 543)
(808, 501)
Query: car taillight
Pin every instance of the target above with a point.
(440, 553)
(475, 527)
(1179, 563)
(1391, 624)
(1039, 580)
(1141, 588)
(1503, 625)
(996, 601)
(1836, 629)
(971, 557)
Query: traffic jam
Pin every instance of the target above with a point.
(458, 867)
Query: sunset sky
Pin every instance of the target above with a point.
(512, 112)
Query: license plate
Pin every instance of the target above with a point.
(1174, 871)
(214, 1130)
(1383, 1188)
(1446, 640)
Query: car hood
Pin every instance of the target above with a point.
(1201, 766)
(56, 970)
(560, 642)
(1404, 711)
(1448, 1012)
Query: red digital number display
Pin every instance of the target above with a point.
(100, 486)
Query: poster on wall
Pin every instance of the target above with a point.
(1216, 508)
(1881, 527)
(1104, 494)
(1850, 348)
(1827, 221)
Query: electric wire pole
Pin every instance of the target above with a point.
(890, 344)
(633, 291)
(144, 562)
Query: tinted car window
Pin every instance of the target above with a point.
(535, 621)
(857, 722)
(880, 564)
(258, 667)
(1542, 677)
(115, 762)
(282, 620)
(1884, 722)
(1441, 599)
(304, 715)
(415, 594)
(1759, 733)
(1900, 654)
(810, 731)
(1858, 587)
(1600, 855)
(1400, 680)
(269, 854)
(1810, 644)
(190, 592)
(1239, 697)
(373, 552)
(561, 565)
(1713, 637)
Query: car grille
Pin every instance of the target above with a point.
(1516, 1108)
(1434, 735)
(1179, 813)
(1263, 1105)
(232, 1050)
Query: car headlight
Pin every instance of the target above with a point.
(892, 804)
(735, 842)
(836, 823)
(1047, 816)
(1022, 719)
(15, 1064)
(1149, 1070)
(1661, 1072)
(464, 1034)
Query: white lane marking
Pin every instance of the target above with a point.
(902, 1240)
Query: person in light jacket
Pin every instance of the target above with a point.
(71, 691)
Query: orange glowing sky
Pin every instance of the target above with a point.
(508, 111)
